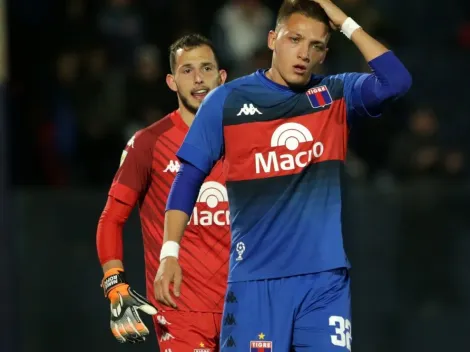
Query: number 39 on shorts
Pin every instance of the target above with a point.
(343, 335)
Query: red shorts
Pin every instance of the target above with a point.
(188, 331)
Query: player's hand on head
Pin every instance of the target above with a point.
(125, 322)
(168, 272)
(336, 15)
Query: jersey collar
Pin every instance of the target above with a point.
(261, 74)
(178, 121)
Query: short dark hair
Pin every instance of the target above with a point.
(307, 8)
(188, 42)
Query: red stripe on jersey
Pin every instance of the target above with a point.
(320, 99)
(285, 146)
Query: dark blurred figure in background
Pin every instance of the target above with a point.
(239, 30)
(416, 152)
(418, 162)
(147, 97)
(123, 29)
(60, 136)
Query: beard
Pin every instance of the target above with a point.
(185, 101)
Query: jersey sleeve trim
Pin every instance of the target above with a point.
(357, 98)
(195, 156)
(123, 193)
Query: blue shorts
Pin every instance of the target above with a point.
(307, 313)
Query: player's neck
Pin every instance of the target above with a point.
(274, 76)
(186, 115)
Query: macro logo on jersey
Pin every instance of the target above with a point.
(301, 147)
(281, 146)
(319, 96)
(211, 206)
(261, 345)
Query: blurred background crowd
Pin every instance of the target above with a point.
(84, 75)
(87, 74)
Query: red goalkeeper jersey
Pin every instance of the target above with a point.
(148, 167)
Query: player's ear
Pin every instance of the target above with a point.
(223, 76)
(170, 81)
(272, 39)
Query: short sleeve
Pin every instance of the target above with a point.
(203, 144)
(132, 177)
(352, 91)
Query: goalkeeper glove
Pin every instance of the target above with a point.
(126, 324)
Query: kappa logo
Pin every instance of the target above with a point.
(162, 320)
(166, 337)
(131, 141)
(230, 319)
(231, 298)
(249, 109)
(212, 193)
(231, 342)
(291, 135)
(173, 166)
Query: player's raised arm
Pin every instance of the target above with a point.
(390, 78)
(201, 149)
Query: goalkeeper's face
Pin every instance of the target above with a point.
(299, 44)
(196, 74)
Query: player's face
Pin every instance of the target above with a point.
(196, 74)
(298, 44)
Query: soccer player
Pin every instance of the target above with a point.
(283, 134)
(148, 166)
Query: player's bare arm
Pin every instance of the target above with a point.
(169, 270)
(368, 46)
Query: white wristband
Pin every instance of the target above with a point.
(348, 27)
(170, 249)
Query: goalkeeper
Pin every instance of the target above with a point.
(148, 167)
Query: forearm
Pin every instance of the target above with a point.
(175, 225)
(109, 234)
(367, 45)
(390, 80)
